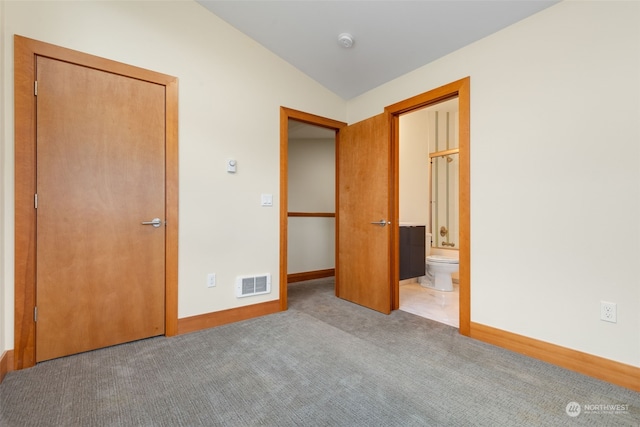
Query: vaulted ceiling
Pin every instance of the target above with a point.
(390, 37)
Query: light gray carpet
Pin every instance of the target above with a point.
(324, 362)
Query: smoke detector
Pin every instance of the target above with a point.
(345, 40)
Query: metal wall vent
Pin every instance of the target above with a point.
(253, 285)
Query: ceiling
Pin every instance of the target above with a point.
(391, 37)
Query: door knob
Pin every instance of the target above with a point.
(381, 223)
(155, 222)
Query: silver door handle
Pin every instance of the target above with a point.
(381, 223)
(156, 222)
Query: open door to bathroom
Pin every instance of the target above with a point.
(364, 214)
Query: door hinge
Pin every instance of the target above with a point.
(35, 88)
(35, 200)
(35, 314)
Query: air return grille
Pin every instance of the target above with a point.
(253, 285)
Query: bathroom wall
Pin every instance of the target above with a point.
(555, 172)
(230, 93)
(414, 168)
(423, 132)
(444, 174)
(311, 181)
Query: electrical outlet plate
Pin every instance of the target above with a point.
(211, 280)
(608, 311)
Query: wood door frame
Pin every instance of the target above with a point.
(285, 115)
(459, 89)
(25, 52)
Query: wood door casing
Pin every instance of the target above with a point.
(363, 265)
(100, 173)
(25, 52)
(287, 114)
(461, 90)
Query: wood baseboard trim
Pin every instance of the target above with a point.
(310, 275)
(594, 366)
(6, 364)
(218, 318)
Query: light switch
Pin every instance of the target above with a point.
(267, 200)
(231, 166)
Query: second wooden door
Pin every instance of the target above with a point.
(364, 211)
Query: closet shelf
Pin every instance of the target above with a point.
(313, 214)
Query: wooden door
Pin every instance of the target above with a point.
(363, 269)
(100, 174)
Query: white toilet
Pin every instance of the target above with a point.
(438, 272)
(439, 269)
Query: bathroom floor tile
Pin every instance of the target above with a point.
(443, 307)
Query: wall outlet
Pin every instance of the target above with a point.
(608, 311)
(211, 280)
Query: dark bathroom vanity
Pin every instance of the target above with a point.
(412, 251)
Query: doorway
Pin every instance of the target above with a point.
(311, 202)
(29, 61)
(459, 89)
(428, 174)
(316, 128)
(363, 239)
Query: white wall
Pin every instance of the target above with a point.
(423, 132)
(311, 182)
(311, 244)
(414, 168)
(230, 92)
(555, 172)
